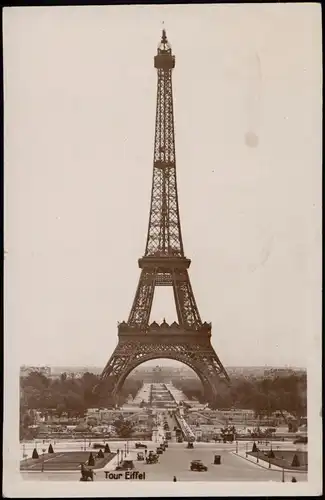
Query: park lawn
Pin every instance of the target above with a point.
(283, 458)
(65, 460)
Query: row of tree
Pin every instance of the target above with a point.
(72, 396)
(66, 395)
(282, 393)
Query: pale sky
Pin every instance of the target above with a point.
(80, 91)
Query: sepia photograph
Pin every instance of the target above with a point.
(162, 250)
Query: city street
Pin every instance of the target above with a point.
(175, 461)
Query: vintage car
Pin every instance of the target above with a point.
(140, 456)
(159, 451)
(152, 459)
(198, 465)
(125, 465)
(97, 446)
(140, 445)
(301, 440)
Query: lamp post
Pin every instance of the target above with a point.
(43, 450)
(237, 447)
(282, 474)
(118, 456)
(246, 449)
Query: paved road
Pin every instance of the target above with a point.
(73, 445)
(176, 461)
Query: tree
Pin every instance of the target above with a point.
(124, 428)
(64, 395)
(91, 460)
(36, 380)
(295, 461)
(228, 433)
(74, 401)
(27, 420)
(192, 388)
(130, 386)
(281, 393)
(92, 422)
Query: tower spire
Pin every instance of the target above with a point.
(164, 46)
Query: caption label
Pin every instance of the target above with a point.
(127, 475)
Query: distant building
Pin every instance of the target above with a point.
(27, 370)
(237, 415)
(273, 372)
(107, 429)
(76, 374)
(158, 374)
(109, 416)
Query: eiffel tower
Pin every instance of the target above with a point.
(164, 264)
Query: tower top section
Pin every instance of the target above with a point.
(164, 59)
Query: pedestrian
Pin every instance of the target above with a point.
(174, 479)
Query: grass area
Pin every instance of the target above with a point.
(284, 458)
(65, 460)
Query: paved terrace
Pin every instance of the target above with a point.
(176, 461)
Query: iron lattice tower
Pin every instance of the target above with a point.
(164, 264)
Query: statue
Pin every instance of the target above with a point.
(86, 473)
